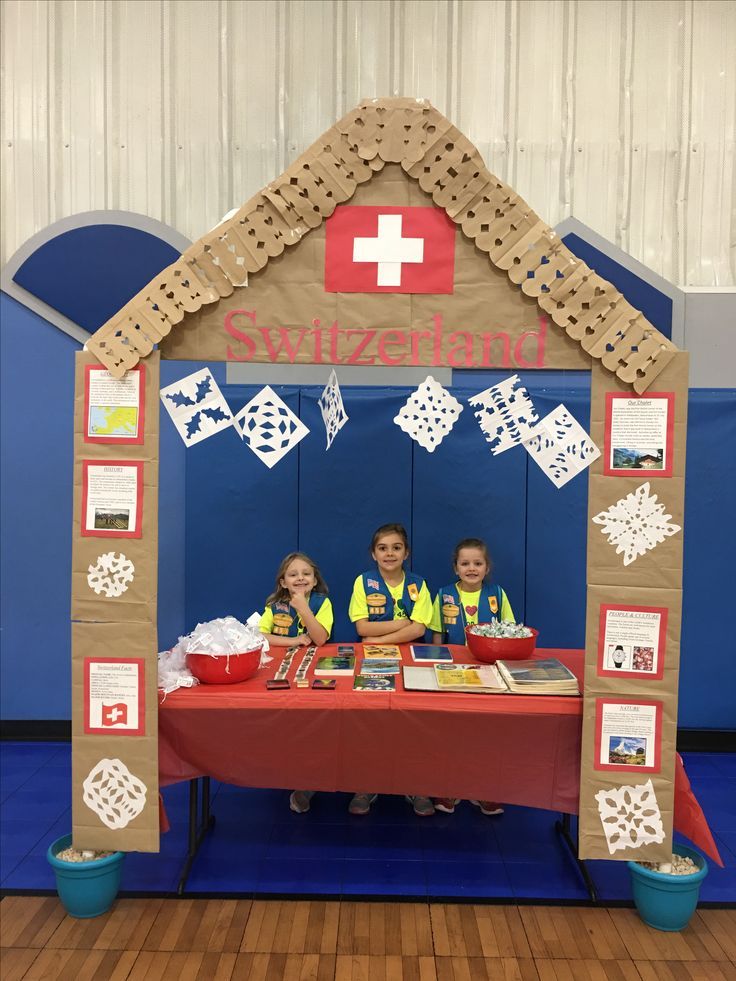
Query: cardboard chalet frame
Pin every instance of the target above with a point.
(626, 354)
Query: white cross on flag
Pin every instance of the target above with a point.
(374, 249)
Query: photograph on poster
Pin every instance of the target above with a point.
(113, 407)
(631, 641)
(638, 433)
(628, 735)
(114, 696)
(112, 497)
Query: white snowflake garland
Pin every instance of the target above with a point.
(115, 794)
(331, 406)
(561, 447)
(505, 414)
(197, 406)
(636, 524)
(429, 414)
(112, 575)
(630, 816)
(269, 427)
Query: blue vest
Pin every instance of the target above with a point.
(381, 602)
(453, 625)
(296, 626)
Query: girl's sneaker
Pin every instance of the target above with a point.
(489, 807)
(445, 804)
(361, 803)
(423, 806)
(299, 800)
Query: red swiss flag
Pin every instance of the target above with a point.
(115, 715)
(373, 249)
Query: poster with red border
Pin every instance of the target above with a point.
(114, 696)
(632, 641)
(628, 735)
(639, 434)
(112, 498)
(114, 408)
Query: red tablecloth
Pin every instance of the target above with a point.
(513, 748)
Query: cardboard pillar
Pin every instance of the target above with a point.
(114, 586)
(632, 647)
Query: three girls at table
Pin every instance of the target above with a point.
(389, 605)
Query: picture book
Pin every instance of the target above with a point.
(430, 652)
(380, 667)
(335, 665)
(538, 676)
(469, 678)
(369, 682)
(381, 652)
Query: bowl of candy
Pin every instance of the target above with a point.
(500, 640)
(224, 669)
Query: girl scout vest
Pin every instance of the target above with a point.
(286, 622)
(381, 602)
(452, 613)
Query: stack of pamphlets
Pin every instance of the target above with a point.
(335, 665)
(538, 676)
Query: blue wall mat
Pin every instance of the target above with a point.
(656, 306)
(708, 659)
(556, 538)
(462, 490)
(37, 420)
(241, 518)
(362, 482)
(89, 273)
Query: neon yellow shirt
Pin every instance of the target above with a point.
(422, 612)
(469, 600)
(323, 616)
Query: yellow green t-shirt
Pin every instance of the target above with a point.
(421, 613)
(323, 616)
(469, 600)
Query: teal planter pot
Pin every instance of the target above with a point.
(86, 889)
(666, 902)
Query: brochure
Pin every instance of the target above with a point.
(538, 676)
(468, 677)
(381, 651)
(335, 665)
(368, 682)
(382, 667)
(430, 652)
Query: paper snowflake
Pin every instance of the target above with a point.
(636, 524)
(112, 575)
(115, 794)
(505, 414)
(561, 447)
(197, 406)
(630, 816)
(429, 414)
(333, 411)
(269, 427)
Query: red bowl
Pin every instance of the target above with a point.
(224, 669)
(490, 649)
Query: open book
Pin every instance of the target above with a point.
(538, 676)
(493, 679)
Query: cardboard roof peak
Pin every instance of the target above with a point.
(412, 133)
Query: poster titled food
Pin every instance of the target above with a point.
(114, 696)
(639, 434)
(628, 735)
(113, 407)
(112, 499)
(631, 641)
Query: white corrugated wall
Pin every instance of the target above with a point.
(621, 112)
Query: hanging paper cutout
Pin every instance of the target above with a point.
(630, 816)
(636, 524)
(331, 406)
(429, 414)
(505, 414)
(115, 794)
(112, 575)
(561, 447)
(197, 406)
(269, 427)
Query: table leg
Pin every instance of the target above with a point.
(563, 828)
(197, 830)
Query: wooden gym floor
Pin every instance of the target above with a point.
(220, 939)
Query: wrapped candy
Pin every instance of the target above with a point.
(500, 628)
